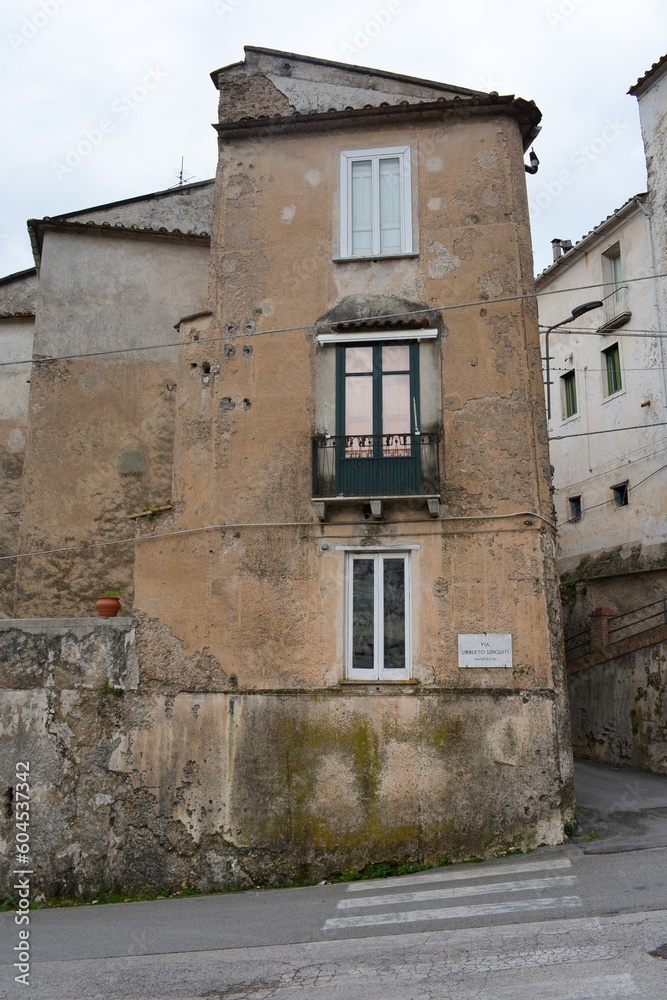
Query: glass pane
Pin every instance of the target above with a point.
(396, 404)
(359, 416)
(394, 614)
(390, 205)
(616, 270)
(363, 573)
(362, 207)
(358, 359)
(613, 360)
(570, 394)
(396, 358)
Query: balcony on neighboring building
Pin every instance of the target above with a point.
(376, 467)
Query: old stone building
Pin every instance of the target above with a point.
(344, 641)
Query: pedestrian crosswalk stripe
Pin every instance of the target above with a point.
(535, 884)
(460, 874)
(452, 912)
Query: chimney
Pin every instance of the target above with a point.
(560, 247)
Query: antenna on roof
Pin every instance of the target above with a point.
(181, 176)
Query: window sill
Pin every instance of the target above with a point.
(571, 419)
(375, 682)
(613, 395)
(376, 257)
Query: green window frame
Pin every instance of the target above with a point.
(377, 418)
(379, 373)
(614, 381)
(569, 391)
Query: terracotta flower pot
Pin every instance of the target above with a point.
(107, 607)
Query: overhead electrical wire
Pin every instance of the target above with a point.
(261, 524)
(246, 335)
(608, 430)
(604, 503)
(484, 303)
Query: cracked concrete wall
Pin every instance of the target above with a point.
(137, 783)
(619, 712)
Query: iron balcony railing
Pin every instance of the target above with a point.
(376, 465)
(619, 627)
(578, 644)
(637, 621)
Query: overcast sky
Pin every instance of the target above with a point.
(143, 66)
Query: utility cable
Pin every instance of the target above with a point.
(608, 430)
(604, 503)
(314, 326)
(262, 524)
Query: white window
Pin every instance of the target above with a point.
(375, 202)
(378, 615)
(616, 311)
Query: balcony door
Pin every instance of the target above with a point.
(377, 410)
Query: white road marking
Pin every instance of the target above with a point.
(452, 912)
(534, 884)
(620, 987)
(460, 874)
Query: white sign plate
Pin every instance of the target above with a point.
(487, 649)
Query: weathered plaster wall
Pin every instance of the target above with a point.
(18, 294)
(258, 590)
(101, 428)
(138, 782)
(653, 117)
(619, 712)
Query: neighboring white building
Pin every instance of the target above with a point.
(608, 389)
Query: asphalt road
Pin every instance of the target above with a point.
(576, 922)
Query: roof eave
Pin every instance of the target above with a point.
(649, 78)
(7, 279)
(526, 113)
(151, 196)
(569, 258)
(37, 228)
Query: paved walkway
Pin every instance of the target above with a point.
(619, 809)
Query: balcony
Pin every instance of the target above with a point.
(376, 467)
(616, 309)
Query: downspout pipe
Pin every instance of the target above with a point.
(656, 299)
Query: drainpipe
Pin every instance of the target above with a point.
(656, 298)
